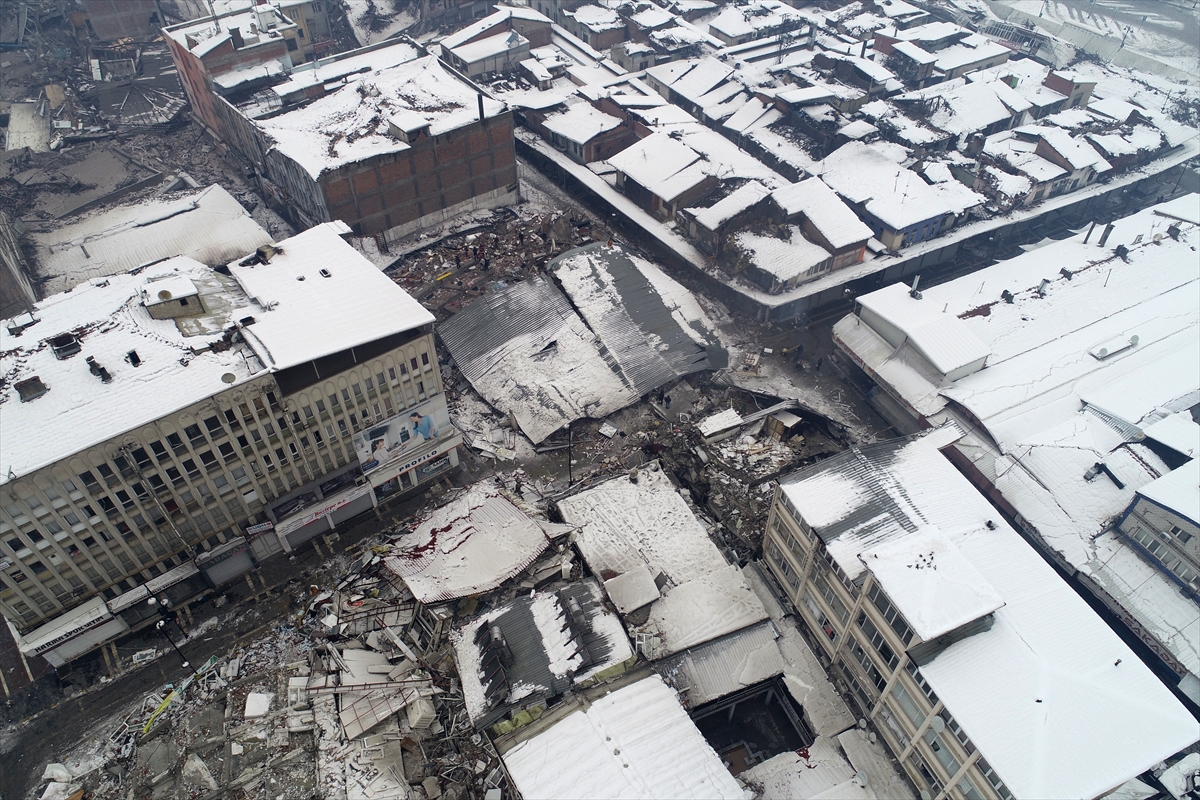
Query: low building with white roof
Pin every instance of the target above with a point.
(982, 671)
(152, 417)
(1074, 371)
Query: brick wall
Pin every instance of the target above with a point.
(437, 172)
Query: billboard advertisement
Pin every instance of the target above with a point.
(405, 435)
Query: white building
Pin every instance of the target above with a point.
(985, 674)
(1075, 372)
(155, 416)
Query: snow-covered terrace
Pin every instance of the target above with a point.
(1049, 694)
(321, 297)
(107, 316)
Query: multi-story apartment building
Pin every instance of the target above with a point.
(157, 419)
(982, 671)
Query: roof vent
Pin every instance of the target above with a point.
(1110, 348)
(913, 293)
(246, 322)
(326, 273)
(1043, 286)
(31, 389)
(1173, 231)
(1066, 273)
(18, 324)
(1006, 296)
(97, 370)
(64, 345)
(133, 358)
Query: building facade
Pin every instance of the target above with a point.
(918, 598)
(276, 449)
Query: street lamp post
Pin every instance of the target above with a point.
(161, 627)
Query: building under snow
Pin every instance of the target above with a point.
(184, 419)
(983, 672)
(1075, 371)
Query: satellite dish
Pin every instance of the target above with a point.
(938, 724)
(164, 295)
(861, 776)
(1102, 352)
(1158, 237)
(228, 377)
(1133, 340)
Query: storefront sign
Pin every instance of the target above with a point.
(324, 510)
(259, 528)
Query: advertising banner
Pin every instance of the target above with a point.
(404, 436)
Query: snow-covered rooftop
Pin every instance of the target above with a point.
(207, 225)
(551, 649)
(351, 124)
(786, 259)
(824, 210)
(872, 174)
(930, 582)
(110, 321)
(1049, 694)
(944, 339)
(319, 296)
(635, 742)
(728, 207)
(501, 15)
(469, 546)
(597, 18)
(626, 526)
(202, 36)
(1051, 407)
(581, 122)
(962, 108)
(1178, 490)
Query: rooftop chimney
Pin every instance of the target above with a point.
(97, 370)
(235, 35)
(480, 98)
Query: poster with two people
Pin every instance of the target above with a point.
(408, 433)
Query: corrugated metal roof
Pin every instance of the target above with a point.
(723, 666)
(643, 334)
(528, 353)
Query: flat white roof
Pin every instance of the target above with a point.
(490, 47)
(930, 582)
(1177, 431)
(166, 290)
(319, 296)
(1050, 695)
(635, 742)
